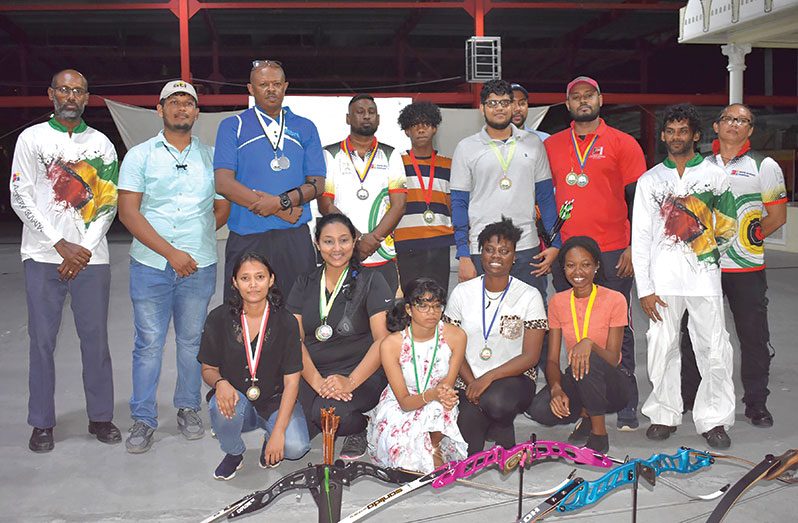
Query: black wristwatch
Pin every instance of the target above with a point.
(285, 201)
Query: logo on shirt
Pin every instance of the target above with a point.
(744, 174)
(597, 153)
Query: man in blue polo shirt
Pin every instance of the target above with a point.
(168, 202)
(269, 163)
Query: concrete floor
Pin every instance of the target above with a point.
(84, 480)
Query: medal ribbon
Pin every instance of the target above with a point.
(432, 361)
(324, 304)
(346, 145)
(587, 313)
(581, 159)
(486, 333)
(504, 162)
(254, 359)
(276, 146)
(426, 191)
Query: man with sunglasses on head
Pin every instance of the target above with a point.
(761, 200)
(597, 166)
(168, 202)
(502, 171)
(268, 161)
(63, 188)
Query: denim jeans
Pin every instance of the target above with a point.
(158, 296)
(246, 419)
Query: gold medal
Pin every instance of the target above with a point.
(485, 353)
(253, 393)
(505, 183)
(571, 178)
(428, 216)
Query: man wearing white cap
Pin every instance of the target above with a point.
(168, 202)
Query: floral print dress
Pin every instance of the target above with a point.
(401, 439)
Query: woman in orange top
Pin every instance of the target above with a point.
(590, 319)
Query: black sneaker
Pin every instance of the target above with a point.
(581, 432)
(262, 458)
(41, 440)
(659, 432)
(600, 444)
(354, 446)
(105, 431)
(717, 438)
(228, 467)
(759, 415)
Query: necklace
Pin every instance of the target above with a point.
(179, 164)
(431, 363)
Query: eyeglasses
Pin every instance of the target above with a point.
(426, 307)
(266, 63)
(66, 91)
(493, 104)
(733, 120)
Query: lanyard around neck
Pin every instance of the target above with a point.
(486, 331)
(346, 145)
(589, 309)
(325, 305)
(275, 146)
(419, 390)
(254, 359)
(426, 191)
(504, 162)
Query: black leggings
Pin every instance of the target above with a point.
(605, 389)
(364, 398)
(498, 406)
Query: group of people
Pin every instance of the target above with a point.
(432, 375)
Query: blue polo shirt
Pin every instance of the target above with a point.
(178, 203)
(242, 146)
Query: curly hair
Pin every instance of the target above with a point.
(235, 302)
(497, 87)
(682, 112)
(504, 230)
(419, 113)
(398, 318)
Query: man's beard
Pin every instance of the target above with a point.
(365, 130)
(66, 114)
(584, 117)
(499, 126)
(179, 127)
(679, 148)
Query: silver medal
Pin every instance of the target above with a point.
(253, 393)
(505, 183)
(275, 164)
(428, 216)
(284, 162)
(362, 194)
(582, 180)
(324, 332)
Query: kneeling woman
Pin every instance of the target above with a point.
(591, 320)
(341, 312)
(505, 321)
(255, 387)
(414, 426)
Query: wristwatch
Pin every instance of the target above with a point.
(285, 201)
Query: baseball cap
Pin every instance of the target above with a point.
(519, 87)
(178, 86)
(582, 79)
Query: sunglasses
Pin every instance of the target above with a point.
(266, 63)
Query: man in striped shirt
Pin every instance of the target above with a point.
(424, 234)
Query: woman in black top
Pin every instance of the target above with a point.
(341, 309)
(255, 382)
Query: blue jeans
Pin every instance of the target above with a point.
(246, 419)
(158, 296)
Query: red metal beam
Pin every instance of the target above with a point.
(185, 58)
(448, 98)
(196, 5)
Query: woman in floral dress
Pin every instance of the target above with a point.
(414, 426)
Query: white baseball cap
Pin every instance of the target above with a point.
(178, 86)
